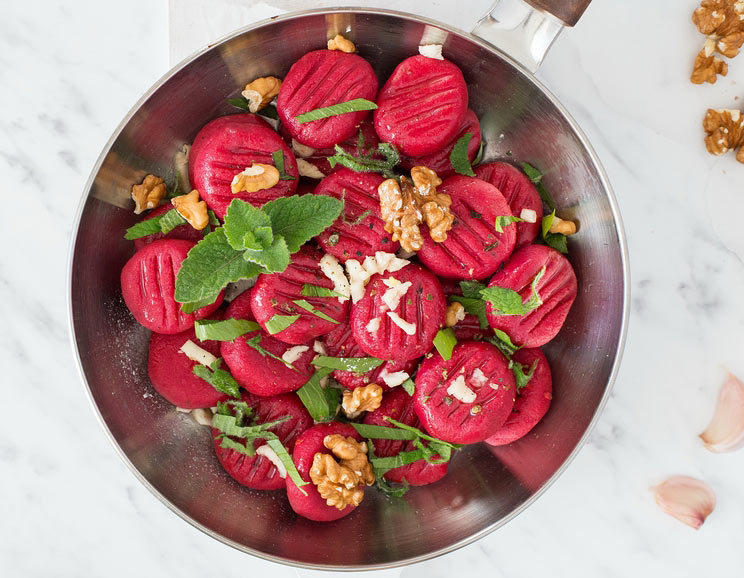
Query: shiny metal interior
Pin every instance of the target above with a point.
(173, 456)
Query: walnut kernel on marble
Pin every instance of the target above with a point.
(261, 92)
(338, 42)
(361, 399)
(722, 21)
(725, 132)
(405, 206)
(148, 194)
(256, 177)
(192, 209)
(339, 482)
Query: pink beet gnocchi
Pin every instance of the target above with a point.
(467, 399)
(557, 290)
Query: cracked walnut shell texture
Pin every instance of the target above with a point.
(722, 21)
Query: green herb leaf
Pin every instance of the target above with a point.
(471, 289)
(353, 364)
(307, 306)
(229, 426)
(274, 259)
(367, 164)
(255, 343)
(269, 111)
(422, 435)
(383, 465)
(227, 330)
(391, 490)
(279, 323)
(314, 398)
(283, 455)
(164, 223)
(555, 240)
(318, 291)
(240, 103)
(472, 306)
(504, 220)
(356, 105)
(247, 227)
(381, 432)
(479, 157)
(409, 386)
(278, 157)
(445, 342)
(358, 220)
(522, 378)
(208, 268)
(299, 219)
(536, 177)
(509, 302)
(504, 343)
(219, 379)
(459, 158)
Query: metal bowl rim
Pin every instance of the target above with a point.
(616, 218)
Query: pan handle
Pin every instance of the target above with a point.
(525, 29)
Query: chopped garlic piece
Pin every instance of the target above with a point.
(395, 293)
(359, 273)
(266, 451)
(332, 269)
(431, 51)
(408, 328)
(358, 277)
(309, 170)
(301, 150)
(196, 353)
(528, 216)
(478, 378)
(319, 347)
(202, 416)
(460, 391)
(373, 325)
(294, 353)
(394, 379)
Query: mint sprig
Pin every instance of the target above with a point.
(220, 379)
(509, 302)
(459, 158)
(367, 163)
(355, 105)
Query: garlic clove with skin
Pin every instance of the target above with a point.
(688, 499)
(725, 433)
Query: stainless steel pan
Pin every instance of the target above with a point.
(485, 488)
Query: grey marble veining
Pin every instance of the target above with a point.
(71, 508)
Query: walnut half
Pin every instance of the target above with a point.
(256, 177)
(339, 482)
(192, 209)
(366, 398)
(148, 194)
(261, 92)
(405, 206)
(722, 21)
(725, 132)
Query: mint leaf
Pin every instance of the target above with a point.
(255, 343)
(240, 103)
(504, 343)
(445, 342)
(504, 220)
(307, 306)
(355, 105)
(274, 259)
(479, 156)
(522, 378)
(269, 111)
(381, 466)
(555, 240)
(230, 426)
(409, 386)
(367, 164)
(227, 330)
(314, 398)
(472, 306)
(219, 379)
(242, 448)
(171, 220)
(164, 223)
(353, 364)
(279, 323)
(275, 444)
(459, 158)
(278, 157)
(391, 490)
(208, 268)
(382, 432)
(471, 289)
(508, 302)
(299, 219)
(244, 222)
(536, 177)
(318, 291)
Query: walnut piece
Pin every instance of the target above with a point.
(261, 92)
(562, 226)
(360, 399)
(192, 209)
(339, 482)
(725, 130)
(722, 21)
(256, 177)
(455, 313)
(148, 194)
(406, 205)
(338, 42)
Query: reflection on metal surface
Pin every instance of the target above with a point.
(173, 456)
(521, 31)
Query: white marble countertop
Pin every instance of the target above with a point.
(70, 71)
